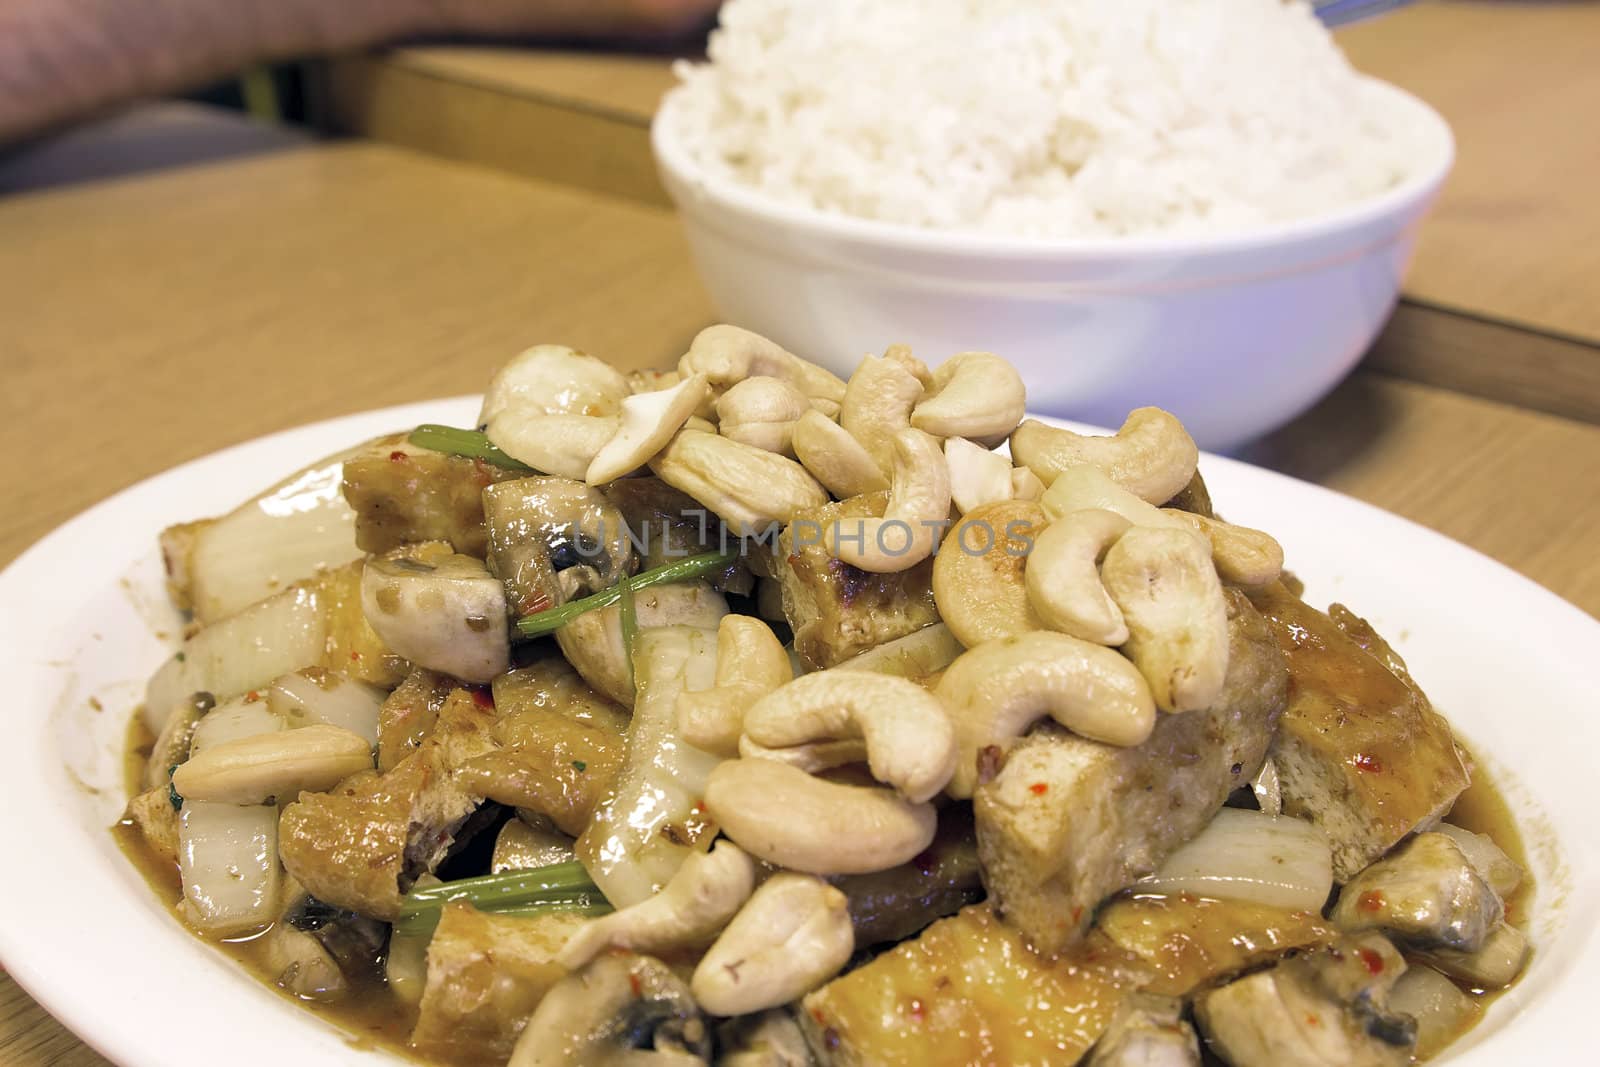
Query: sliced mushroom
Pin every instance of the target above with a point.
(554, 539)
(648, 422)
(834, 458)
(619, 1010)
(976, 395)
(447, 613)
(1152, 455)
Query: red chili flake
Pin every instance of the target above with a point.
(699, 807)
(918, 1011)
(251, 697)
(482, 473)
(924, 861)
(633, 984)
(482, 697)
(1312, 1020)
(1077, 914)
(355, 657)
(534, 603)
(1370, 764)
(817, 1016)
(1039, 789)
(1373, 961)
(1372, 900)
(398, 456)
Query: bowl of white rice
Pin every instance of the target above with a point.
(1197, 204)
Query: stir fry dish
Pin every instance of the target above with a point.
(740, 714)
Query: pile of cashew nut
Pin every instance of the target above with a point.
(1073, 593)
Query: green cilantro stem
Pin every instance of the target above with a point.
(682, 570)
(458, 442)
(562, 887)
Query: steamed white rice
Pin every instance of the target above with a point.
(1043, 118)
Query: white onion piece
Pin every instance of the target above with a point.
(234, 720)
(1269, 793)
(298, 527)
(1502, 872)
(1438, 1004)
(242, 652)
(316, 695)
(228, 859)
(1245, 855)
(628, 848)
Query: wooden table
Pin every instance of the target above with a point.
(148, 321)
(1496, 303)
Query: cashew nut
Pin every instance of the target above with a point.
(650, 380)
(976, 395)
(785, 816)
(648, 422)
(554, 380)
(977, 475)
(793, 935)
(563, 445)
(1167, 588)
(252, 770)
(877, 405)
(834, 458)
(1025, 485)
(553, 408)
(728, 355)
(1243, 556)
(914, 520)
(1086, 488)
(688, 912)
(978, 583)
(1152, 455)
(751, 663)
(761, 412)
(996, 691)
(910, 743)
(745, 487)
(1063, 576)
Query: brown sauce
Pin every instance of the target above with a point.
(373, 1017)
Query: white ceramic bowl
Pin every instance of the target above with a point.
(1235, 334)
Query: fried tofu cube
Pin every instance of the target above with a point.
(836, 610)
(1067, 822)
(1360, 751)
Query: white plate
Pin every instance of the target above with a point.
(83, 618)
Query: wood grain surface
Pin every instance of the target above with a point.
(147, 321)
